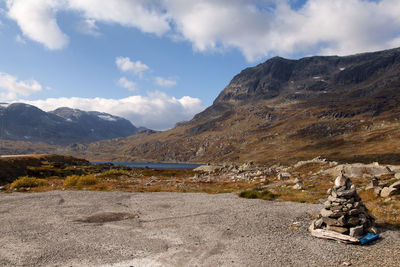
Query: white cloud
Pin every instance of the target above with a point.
(164, 82)
(11, 88)
(273, 27)
(256, 28)
(89, 27)
(146, 16)
(125, 83)
(36, 19)
(155, 111)
(126, 65)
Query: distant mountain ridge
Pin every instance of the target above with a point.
(63, 126)
(285, 110)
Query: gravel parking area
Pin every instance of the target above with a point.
(81, 228)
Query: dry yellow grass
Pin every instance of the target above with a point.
(80, 181)
(25, 182)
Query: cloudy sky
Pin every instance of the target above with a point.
(157, 62)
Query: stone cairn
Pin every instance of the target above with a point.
(344, 211)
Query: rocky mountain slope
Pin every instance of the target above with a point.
(22, 122)
(342, 108)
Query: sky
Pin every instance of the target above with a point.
(158, 62)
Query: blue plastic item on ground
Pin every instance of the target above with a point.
(368, 238)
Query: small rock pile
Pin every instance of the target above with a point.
(344, 211)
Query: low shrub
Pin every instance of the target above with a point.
(84, 180)
(26, 181)
(87, 180)
(71, 181)
(253, 194)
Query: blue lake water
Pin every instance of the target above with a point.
(153, 165)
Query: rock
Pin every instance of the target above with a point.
(342, 220)
(351, 201)
(357, 231)
(334, 222)
(353, 212)
(340, 181)
(395, 185)
(362, 218)
(283, 175)
(326, 213)
(297, 180)
(318, 223)
(337, 214)
(247, 166)
(338, 229)
(397, 175)
(358, 170)
(258, 173)
(353, 221)
(372, 217)
(336, 208)
(298, 186)
(374, 183)
(327, 204)
(208, 168)
(347, 193)
(373, 230)
(387, 192)
(335, 199)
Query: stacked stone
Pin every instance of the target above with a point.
(344, 211)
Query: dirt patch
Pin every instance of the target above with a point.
(104, 217)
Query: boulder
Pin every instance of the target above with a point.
(208, 168)
(284, 175)
(298, 186)
(389, 191)
(358, 170)
(395, 185)
(297, 180)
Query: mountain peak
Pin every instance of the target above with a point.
(62, 126)
(306, 76)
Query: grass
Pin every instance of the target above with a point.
(387, 213)
(25, 182)
(256, 194)
(80, 181)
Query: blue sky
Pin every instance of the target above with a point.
(158, 62)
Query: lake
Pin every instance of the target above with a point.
(153, 165)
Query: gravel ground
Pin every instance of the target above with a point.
(78, 228)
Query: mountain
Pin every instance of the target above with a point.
(63, 126)
(341, 108)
